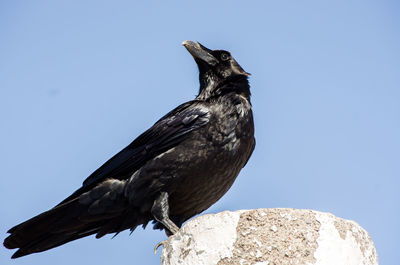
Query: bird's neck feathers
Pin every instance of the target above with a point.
(211, 87)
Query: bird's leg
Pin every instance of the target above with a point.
(160, 212)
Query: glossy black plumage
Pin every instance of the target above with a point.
(176, 169)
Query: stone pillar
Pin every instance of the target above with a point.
(270, 237)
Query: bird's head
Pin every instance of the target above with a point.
(215, 66)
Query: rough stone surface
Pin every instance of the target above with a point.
(270, 237)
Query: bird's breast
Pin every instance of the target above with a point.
(211, 159)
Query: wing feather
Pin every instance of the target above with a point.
(165, 134)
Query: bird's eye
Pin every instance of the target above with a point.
(224, 57)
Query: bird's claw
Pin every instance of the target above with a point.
(158, 245)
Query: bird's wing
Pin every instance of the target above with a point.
(166, 133)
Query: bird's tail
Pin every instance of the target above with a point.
(51, 229)
(72, 220)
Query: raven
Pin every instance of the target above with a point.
(176, 169)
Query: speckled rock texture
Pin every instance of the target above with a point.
(270, 237)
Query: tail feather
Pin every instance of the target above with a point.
(49, 241)
(127, 220)
(101, 210)
(52, 228)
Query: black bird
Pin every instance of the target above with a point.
(176, 169)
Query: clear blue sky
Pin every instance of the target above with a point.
(79, 80)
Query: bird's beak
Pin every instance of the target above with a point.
(198, 51)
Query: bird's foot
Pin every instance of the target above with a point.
(158, 245)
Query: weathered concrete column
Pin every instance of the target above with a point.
(270, 237)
